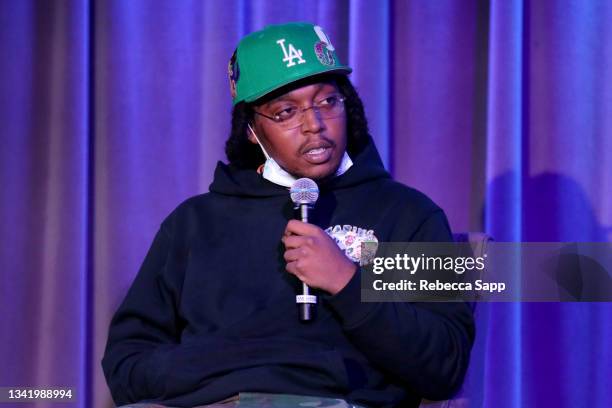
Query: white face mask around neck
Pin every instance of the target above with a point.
(274, 173)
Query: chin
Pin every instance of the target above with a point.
(323, 173)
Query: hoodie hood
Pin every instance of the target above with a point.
(234, 181)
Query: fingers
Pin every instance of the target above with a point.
(292, 255)
(296, 241)
(306, 247)
(297, 268)
(292, 268)
(295, 227)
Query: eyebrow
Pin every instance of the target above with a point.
(282, 97)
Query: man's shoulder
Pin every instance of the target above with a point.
(192, 203)
(397, 193)
(190, 209)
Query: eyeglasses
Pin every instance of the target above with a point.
(292, 116)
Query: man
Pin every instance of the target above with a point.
(212, 311)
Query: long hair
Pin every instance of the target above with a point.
(242, 153)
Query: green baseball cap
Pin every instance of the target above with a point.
(278, 55)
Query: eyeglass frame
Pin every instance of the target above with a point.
(301, 111)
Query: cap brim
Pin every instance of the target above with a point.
(331, 70)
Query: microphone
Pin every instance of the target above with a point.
(304, 194)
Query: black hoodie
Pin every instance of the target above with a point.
(212, 311)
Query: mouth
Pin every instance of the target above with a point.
(318, 154)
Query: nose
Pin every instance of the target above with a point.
(312, 121)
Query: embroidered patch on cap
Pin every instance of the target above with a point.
(233, 73)
(325, 56)
(324, 49)
(349, 239)
(291, 55)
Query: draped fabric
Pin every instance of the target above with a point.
(115, 111)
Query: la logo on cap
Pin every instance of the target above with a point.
(291, 55)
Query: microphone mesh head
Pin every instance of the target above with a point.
(304, 191)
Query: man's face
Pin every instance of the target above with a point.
(312, 150)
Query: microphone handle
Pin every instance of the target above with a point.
(306, 302)
(307, 310)
(304, 212)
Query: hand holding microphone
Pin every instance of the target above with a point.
(311, 254)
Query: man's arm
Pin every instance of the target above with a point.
(143, 329)
(426, 345)
(144, 358)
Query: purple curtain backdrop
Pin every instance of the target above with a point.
(113, 112)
